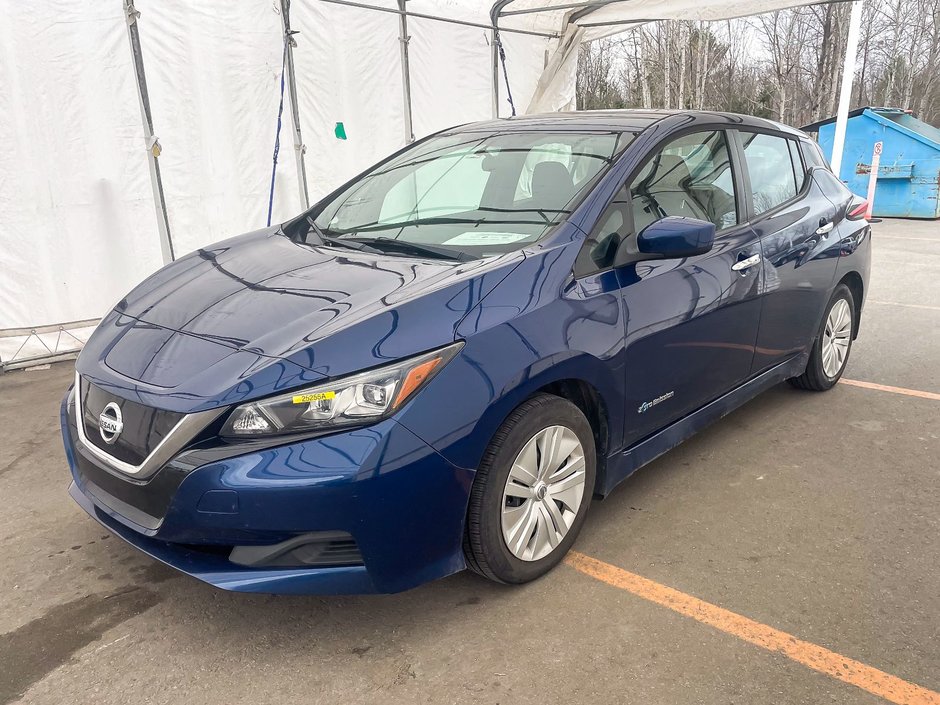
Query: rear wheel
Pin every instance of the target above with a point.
(833, 344)
(531, 492)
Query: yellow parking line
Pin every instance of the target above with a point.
(895, 303)
(884, 685)
(893, 390)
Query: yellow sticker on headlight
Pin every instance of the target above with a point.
(316, 396)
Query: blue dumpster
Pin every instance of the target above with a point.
(908, 183)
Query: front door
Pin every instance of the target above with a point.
(690, 324)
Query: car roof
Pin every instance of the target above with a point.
(615, 120)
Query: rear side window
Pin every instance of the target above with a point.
(770, 167)
(798, 169)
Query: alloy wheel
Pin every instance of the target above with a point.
(543, 493)
(836, 338)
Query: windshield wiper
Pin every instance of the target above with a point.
(476, 222)
(349, 244)
(338, 242)
(384, 244)
(316, 228)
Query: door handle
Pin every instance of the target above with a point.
(745, 263)
(824, 228)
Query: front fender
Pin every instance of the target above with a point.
(534, 329)
(462, 408)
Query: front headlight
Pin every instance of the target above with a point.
(352, 401)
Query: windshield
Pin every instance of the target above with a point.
(470, 193)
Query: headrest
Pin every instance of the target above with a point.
(552, 183)
(672, 171)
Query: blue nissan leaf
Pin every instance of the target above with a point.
(441, 363)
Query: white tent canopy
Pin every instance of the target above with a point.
(78, 222)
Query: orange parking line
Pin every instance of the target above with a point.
(884, 685)
(893, 390)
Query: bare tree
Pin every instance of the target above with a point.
(785, 64)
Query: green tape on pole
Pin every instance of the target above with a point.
(340, 131)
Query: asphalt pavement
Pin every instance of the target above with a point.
(814, 515)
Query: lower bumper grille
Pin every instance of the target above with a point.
(322, 549)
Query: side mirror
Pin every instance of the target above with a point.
(674, 237)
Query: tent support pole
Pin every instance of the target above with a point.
(153, 144)
(848, 78)
(495, 12)
(494, 60)
(299, 147)
(403, 40)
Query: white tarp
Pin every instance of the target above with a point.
(77, 223)
(77, 218)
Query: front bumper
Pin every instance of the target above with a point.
(401, 501)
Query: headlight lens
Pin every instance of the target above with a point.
(356, 400)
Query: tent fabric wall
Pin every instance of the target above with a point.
(77, 220)
(451, 80)
(213, 73)
(556, 86)
(348, 70)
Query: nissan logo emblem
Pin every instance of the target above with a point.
(110, 423)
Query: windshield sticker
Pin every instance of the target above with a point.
(485, 238)
(316, 396)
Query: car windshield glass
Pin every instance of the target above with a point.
(472, 193)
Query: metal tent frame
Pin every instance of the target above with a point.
(579, 10)
(576, 12)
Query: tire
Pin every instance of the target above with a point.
(816, 377)
(542, 422)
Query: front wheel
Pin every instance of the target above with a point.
(531, 492)
(833, 344)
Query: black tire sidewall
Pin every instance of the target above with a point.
(816, 359)
(531, 417)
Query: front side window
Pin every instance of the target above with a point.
(476, 193)
(770, 167)
(690, 176)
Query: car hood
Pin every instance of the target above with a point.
(263, 306)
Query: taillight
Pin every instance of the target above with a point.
(857, 211)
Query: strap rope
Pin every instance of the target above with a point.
(502, 60)
(277, 135)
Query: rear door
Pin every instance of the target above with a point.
(794, 221)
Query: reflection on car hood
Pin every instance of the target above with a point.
(326, 310)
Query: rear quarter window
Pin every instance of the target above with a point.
(812, 155)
